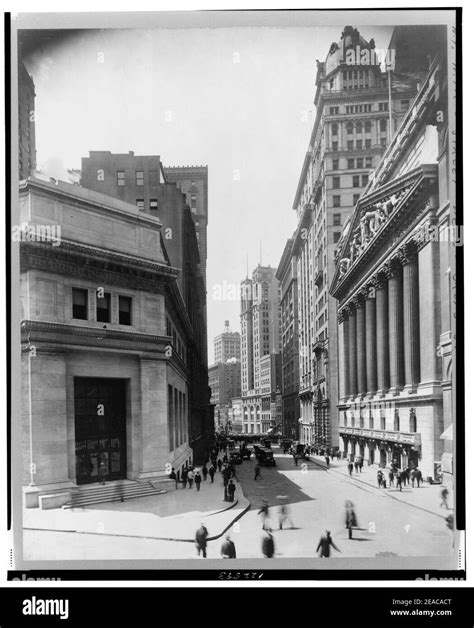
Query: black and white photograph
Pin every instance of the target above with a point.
(234, 266)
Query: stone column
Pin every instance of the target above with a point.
(344, 321)
(371, 341)
(395, 324)
(360, 344)
(381, 311)
(353, 381)
(411, 318)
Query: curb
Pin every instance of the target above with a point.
(161, 538)
(354, 477)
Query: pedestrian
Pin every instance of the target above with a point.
(412, 477)
(350, 467)
(356, 465)
(361, 463)
(228, 548)
(198, 480)
(399, 477)
(190, 478)
(212, 471)
(325, 544)
(201, 540)
(351, 519)
(295, 458)
(204, 473)
(444, 498)
(265, 515)
(231, 490)
(332, 455)
(419, 477)
(172, 476)
(390, 477)
(379, 478)
(327, 461)
(225, 459)
(219, 464)
(184, 477)
(268, 544)
(103, 471)
(284, 515)
(257, 472)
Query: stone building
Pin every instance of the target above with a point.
(394, 293)
(287, 276)
(105, 330)
(227, 345)
(141, 181)
(225, 384)
(353, 121)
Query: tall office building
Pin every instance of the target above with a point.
(26, 123)
(356, 113)
(227, 345)
(260, 336)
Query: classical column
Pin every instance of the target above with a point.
(352, 353)
(395, 324)
(344, 321)
(360, 344)
(411, 317)
(370, 340)
(381, 326)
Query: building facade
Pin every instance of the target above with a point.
(225, 384)
(354, 119)
(227, 345)
(140, 181)
(394, 288)
(287, 276)
(270, 388)
(99, 383)
(26, 123)
(260, 336)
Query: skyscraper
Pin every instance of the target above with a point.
(226, 345)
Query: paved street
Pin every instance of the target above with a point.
(316, 500)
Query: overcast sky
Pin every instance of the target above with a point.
(237, 99)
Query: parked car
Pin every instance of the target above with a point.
(266, 458)
(235, 457)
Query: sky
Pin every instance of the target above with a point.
(237, 99)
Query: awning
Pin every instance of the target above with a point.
(448, 433)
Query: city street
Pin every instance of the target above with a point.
(316, 500)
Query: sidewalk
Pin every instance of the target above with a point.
(174, 516)
(427, 497)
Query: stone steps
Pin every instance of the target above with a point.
(113, 493)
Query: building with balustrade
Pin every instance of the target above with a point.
(394, 291)
(353, 124)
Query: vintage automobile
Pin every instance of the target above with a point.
(235, 457)
(267, 443)
(266, 458)
(245, 452)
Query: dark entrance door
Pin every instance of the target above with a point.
(100, 423)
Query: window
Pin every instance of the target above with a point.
(337, 220)
(350, 163)
(153, 204)
(412, 421)
(368, 144)
(139, 178)
(79, 303)
(355, 181)
(334, 146)
(358, 144)
(359, 127)
(355, 198)
(368, 162)
(360, 162)
(335, 164)
(103, 308)
(396, 422)
(336, 201)
(383, 125)
(383, 141)
(336, 183)
(361, 421)
(350, 145)
(383, 106)
(120, 178)
(141, 204)
(334, 129)
(371, 421)
(125, 310)
(365, 180)
(193, 201)
(336, 236)
(382, 422)
(404, 104)
(368, 126)
(333, 111)
(153, 177)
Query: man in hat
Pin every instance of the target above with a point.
(228, 548)
(325, 544)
